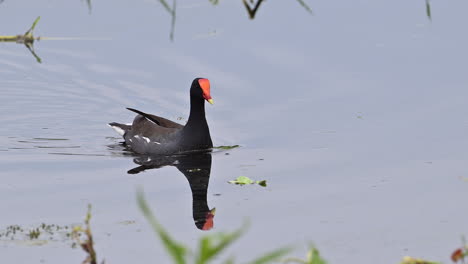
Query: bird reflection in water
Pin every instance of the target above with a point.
(197, 168)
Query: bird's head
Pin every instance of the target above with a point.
(201, 88)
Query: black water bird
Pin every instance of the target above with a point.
(154, 135)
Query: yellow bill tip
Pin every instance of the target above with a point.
(210, 101)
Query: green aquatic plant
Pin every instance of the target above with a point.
(34, 233)
(243, 180)
(88, 243)
(226, 147)
(51, 232)
(27, 39)
(212, 245)
(209, 246)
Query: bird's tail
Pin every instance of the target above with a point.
(120, 128)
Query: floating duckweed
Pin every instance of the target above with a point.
(16, 232)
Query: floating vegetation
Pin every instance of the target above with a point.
(88, 243)
(243, 180)
(47, 232)
(212, 245)
(34, 234)
(27, 39)
(226, 147)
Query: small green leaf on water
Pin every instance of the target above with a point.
(243, 180)
(262, 183)
(227, 147)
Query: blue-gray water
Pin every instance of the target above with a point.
(359, 113)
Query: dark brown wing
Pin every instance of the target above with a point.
(157, 119)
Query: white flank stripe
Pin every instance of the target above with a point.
(147, 139)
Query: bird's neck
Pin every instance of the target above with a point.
(196, 134)
(197, 113)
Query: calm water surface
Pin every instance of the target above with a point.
(356, 117)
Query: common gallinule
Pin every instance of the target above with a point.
(154, 135)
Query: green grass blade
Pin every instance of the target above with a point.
(33, 26)
(206, 249)
(313, 257)
(271, 256)
(229, 261)
(176, 250)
